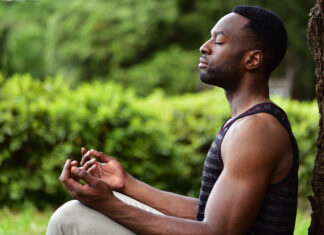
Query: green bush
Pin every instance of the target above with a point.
(304, 119)
(42, 123)
(173, 70)
(162, 141)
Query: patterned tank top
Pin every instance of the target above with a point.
(277, 213)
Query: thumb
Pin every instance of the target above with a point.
(83, 150)
(91, 180)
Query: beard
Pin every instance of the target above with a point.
(226, 75)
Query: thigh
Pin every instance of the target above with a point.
(74, 218)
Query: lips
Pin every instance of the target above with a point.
(203, 63)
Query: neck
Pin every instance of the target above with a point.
(247, 95)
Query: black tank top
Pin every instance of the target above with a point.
(277, 213)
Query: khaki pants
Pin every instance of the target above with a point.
(74, 218)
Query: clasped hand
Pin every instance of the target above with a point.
(101, 178)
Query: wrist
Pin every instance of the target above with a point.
(129, 181)
(107, 206)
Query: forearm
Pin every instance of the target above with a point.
(168, 203)
(143, 222)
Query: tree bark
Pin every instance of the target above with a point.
(315, 36)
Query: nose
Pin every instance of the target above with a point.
(205, 49)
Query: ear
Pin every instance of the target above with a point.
(253, 59)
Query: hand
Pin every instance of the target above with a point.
(110, 171)
(93, 193)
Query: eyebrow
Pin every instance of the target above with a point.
(216, 33)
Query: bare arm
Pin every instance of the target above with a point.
(232, 205)
(166, 202)
(112, 172)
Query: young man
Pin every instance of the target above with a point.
(249, 182)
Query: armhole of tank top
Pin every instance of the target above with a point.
(230, 122)
(285, 180)
(288, 177)
(219, 155)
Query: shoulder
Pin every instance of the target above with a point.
(263, 125)
(261, 128)
(257, 140)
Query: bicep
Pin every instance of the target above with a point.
(234, 202)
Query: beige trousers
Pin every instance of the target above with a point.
(74, 218)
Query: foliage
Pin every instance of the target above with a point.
(86, 40)
(44, 122)
(181, 75)
(304, 119)
(302, 223)
(161, 140)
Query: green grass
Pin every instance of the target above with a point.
(25, 222)
(33, 222)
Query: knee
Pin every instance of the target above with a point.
(67, 212)
(65, 216)
(74, 218)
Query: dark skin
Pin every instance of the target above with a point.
(256, 152)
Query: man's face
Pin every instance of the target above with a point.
(221, 63)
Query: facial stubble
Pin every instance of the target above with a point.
(226, 75)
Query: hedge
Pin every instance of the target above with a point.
(161, 140)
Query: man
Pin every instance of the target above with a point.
(249, 183)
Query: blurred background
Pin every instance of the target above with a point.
(121, 76)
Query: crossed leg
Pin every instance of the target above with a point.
(74, 218)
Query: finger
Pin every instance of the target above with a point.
(75, 163)
(88, 164)
(100, 155)
(78, 190)
(91, 180)
(76, 179)
(66, 171)
(92, 169)
(83, 150)
(85, 158)
(65, 178)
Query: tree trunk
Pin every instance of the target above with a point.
(315, 36)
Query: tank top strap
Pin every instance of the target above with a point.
(278, 113)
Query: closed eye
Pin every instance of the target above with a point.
(219, 43)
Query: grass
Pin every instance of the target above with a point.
(32, 222)
(26, 222)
